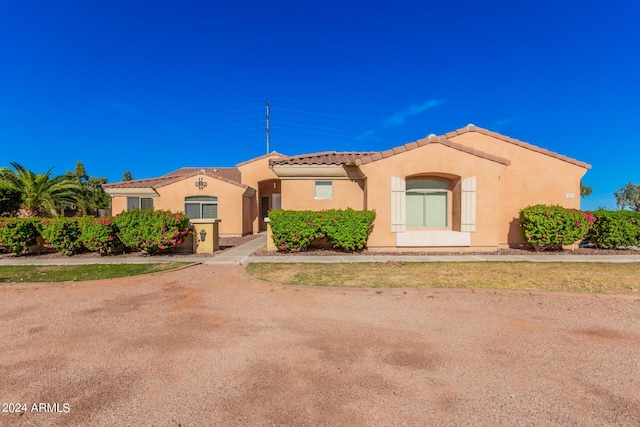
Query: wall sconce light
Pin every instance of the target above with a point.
(203, 235)
(274, 185)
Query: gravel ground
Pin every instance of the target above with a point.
(209, 345)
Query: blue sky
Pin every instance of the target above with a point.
(150, 87)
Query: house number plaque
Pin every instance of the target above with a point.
(201, 183)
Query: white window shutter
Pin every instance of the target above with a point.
(398, 205)
(468, 204)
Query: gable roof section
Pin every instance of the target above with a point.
(230, 175)
(322, 158)
(445, 140)
(431, 139)
(473, 128)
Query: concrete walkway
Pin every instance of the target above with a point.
(447, 258)
(243, 255)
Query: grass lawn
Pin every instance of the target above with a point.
(64, 273)
(604, 278)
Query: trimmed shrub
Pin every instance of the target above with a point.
(614, 229)
(293, 231)
(348, 229)
(99, 234)
(546, 226)
(61, 234)
(151, 231)
(17, 235)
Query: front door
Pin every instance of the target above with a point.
(264, 211)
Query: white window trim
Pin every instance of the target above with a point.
(330, 197)
(201, 203)
(139, 198)
(446, 192)
(447, 195)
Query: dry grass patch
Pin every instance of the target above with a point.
(606, 278)
(73, 273)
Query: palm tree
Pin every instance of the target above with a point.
(40, 193)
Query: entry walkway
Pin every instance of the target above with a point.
(243, 254)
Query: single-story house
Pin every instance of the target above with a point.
(461, 190)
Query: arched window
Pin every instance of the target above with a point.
(427, 202)
(196, 207)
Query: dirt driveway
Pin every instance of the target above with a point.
(208, 345)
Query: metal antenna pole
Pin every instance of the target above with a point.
(268, 129)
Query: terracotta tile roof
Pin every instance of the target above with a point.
(144, 183)
(473, 128)
(323, 158)
(431, 139)
(273, 153)
(230, 175)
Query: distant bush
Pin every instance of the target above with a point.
(546, 226)
(61, 234)
(99, 234)
(614, 229)
(17, 235)
(293, 231)
(151, 231)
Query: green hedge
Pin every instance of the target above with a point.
(546, 226)
(148, 231)
(293, 231)
(615, 229)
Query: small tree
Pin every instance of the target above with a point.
(585, 190)
(91, 195)
(80, 172)
(126, 176)
(628, 197)
(40, 193)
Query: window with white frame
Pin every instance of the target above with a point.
(427, 202)
(198, 207)
(139, 203)
(324, 190)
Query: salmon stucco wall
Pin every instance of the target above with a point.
(118, 204)
(299, 194)
(171, 197)
(531, 178)
(434, 160)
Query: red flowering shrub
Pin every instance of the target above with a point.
(548, 226)
(150, 231)
(17, 234)
(61, 234)
(99, 234)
